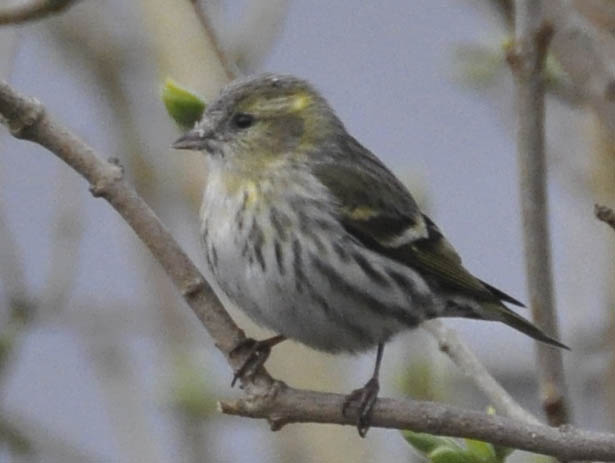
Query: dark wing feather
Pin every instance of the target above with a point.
(436, 256)
(369, 195)
(502, 295)
(379, 211)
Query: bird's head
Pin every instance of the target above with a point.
(262, 119)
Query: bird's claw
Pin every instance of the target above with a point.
(364, 398)
(255, 354)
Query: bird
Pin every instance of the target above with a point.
(314, 238)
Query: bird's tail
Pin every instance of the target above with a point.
(501, 313)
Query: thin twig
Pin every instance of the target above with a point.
(33, 10)
(266, 398)
(464, 358)
(208, 29)
(605, 214)
(527, 60)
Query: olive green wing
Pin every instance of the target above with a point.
(436, 256)
(379, 211)
(371, 201)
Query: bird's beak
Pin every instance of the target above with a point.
(195, 139)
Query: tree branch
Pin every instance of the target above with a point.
(462, 356)
(532, 37)
(288, 405)
(33, 10)
(266, 398)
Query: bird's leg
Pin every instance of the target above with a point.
(365, 398)
(255, 354)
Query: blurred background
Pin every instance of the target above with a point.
(100, 359)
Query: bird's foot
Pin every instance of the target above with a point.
(255, 354)
(364, 399)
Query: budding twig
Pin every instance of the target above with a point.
(467, 362)
(527, 59)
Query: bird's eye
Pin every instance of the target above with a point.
(243, 120)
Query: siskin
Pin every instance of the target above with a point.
(314, 238)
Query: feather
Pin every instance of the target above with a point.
(378, 210)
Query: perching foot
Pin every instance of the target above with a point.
(364, 399)
(255, 354)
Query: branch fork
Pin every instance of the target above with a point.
(525, 59)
